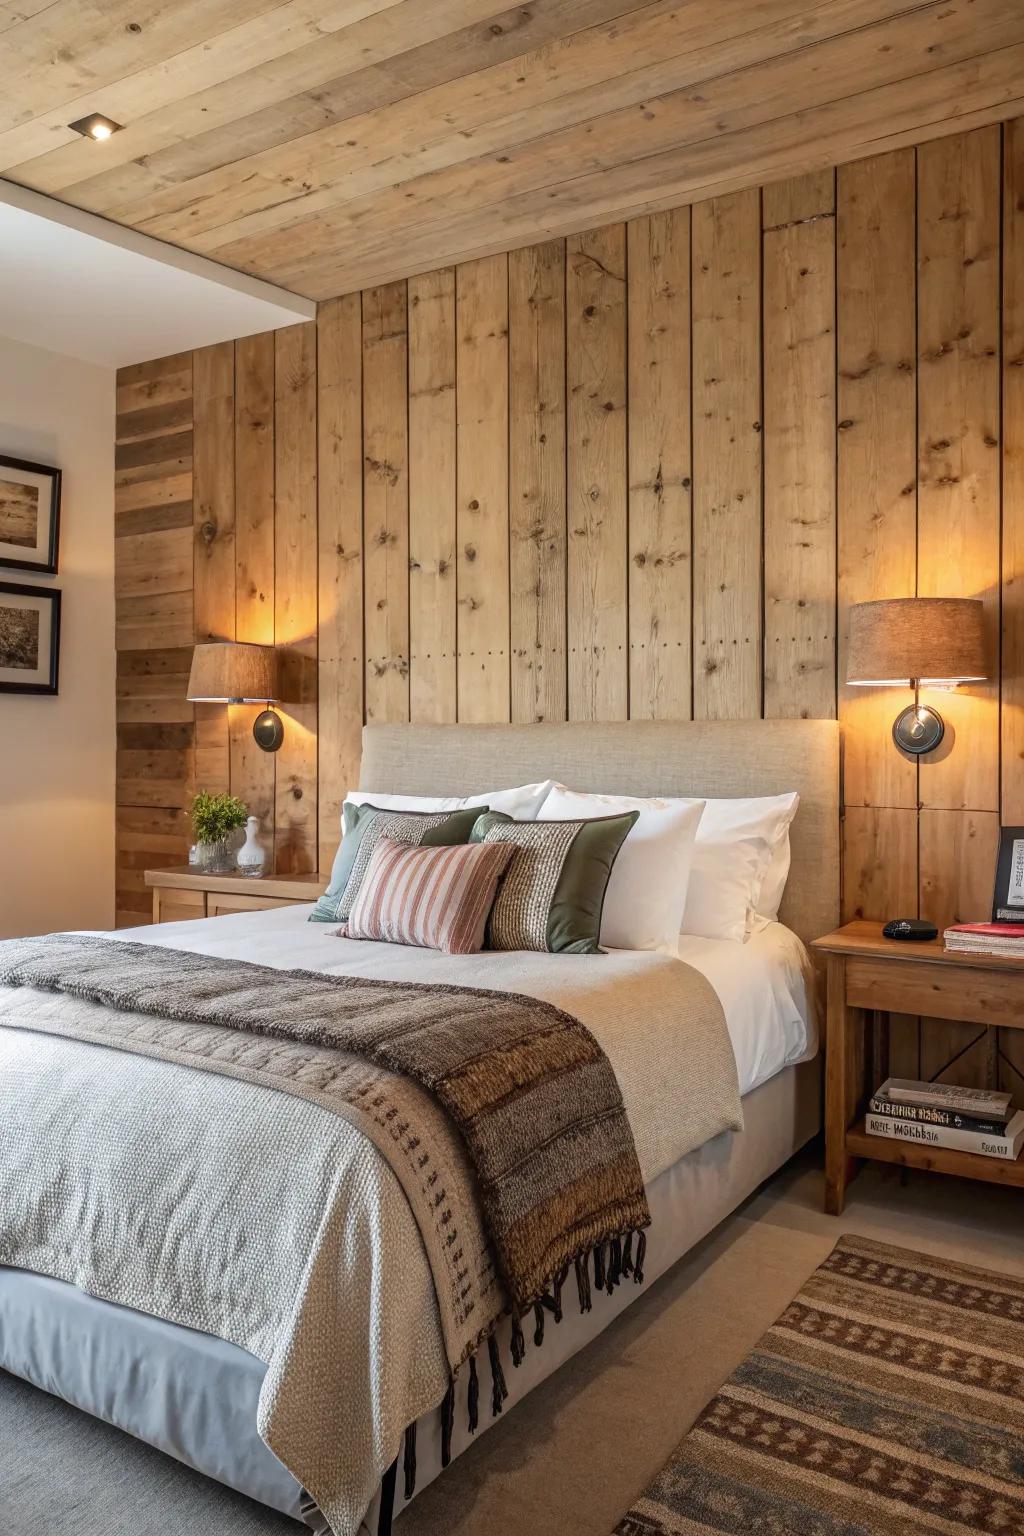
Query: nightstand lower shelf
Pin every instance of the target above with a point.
(910, 1154)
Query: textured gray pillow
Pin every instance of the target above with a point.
(553, 894)
(365, 826)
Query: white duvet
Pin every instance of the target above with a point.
(762, 984)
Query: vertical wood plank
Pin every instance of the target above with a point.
(799, 451)
(597, 474)
(1013, 479)
(252, 770)
(432, 533)
(958, 865)
(386, 502)
(537, 533)
(879, 863)
(660, 512)
(481, 320)
(797, 199)
(254, 489)
(958, 429)
(340, 534)
(1012, 650)
(213, 593)
(727, 539)
(877, 446)
(295, 596)
(214, 492)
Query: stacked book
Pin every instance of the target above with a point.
(985, 939)
(944, 1115)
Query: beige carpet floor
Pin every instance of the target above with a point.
(569, 1460)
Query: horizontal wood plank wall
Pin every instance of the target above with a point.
(154, 623)
(639, 473)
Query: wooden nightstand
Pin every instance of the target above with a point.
(183, 893)
(868, 975)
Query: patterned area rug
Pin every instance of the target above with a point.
(888, 1397)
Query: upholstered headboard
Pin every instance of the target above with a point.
(642, 757)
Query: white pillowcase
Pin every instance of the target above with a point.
(774, 886)
(646, 895)
(740, 866)
(522, 803)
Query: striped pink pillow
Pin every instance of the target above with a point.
(436, 898)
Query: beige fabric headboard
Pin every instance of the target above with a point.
(642, 757)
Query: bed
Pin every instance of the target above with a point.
(197, 1396)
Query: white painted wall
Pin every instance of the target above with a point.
(57, 754)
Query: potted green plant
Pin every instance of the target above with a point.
(214, 819)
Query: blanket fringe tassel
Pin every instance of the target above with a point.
(613, 1262)
(447, 1422)
(409, 1461)
(499, 1391)
(387, 1500)
(473, 1396)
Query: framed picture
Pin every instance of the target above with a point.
(29, 515)
(29, 639)
(1008, 901)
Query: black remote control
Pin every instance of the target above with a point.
(909, 928)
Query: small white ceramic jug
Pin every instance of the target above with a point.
(252, 855)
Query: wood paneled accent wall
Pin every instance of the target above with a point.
(642, 472)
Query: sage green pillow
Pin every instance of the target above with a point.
(553, 894)
(363, 827)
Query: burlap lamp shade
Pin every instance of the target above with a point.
(914, 640)
(228, 672)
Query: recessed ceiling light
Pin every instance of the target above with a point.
(95, 126)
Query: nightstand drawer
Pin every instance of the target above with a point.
(172, 906)
(218, 905)
(941, 991)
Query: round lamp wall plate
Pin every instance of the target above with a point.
(268, 730)
(918, 729)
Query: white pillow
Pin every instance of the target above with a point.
(646, 895)
(774, 885)
(522, 803)
(740, 866)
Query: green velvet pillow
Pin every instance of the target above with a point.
(553, 894)
(364, 826)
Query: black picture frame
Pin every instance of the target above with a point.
(49, 595)
(1008, 896)
(9, 559)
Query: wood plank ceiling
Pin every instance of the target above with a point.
(328, 145)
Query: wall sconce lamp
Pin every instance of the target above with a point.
(228, 672)
(915, 641)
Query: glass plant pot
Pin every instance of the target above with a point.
(214, 858)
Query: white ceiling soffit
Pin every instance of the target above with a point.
(77, 284)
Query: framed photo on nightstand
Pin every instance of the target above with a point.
(1008, 901)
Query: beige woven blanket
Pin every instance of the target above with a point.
(295, 1322)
